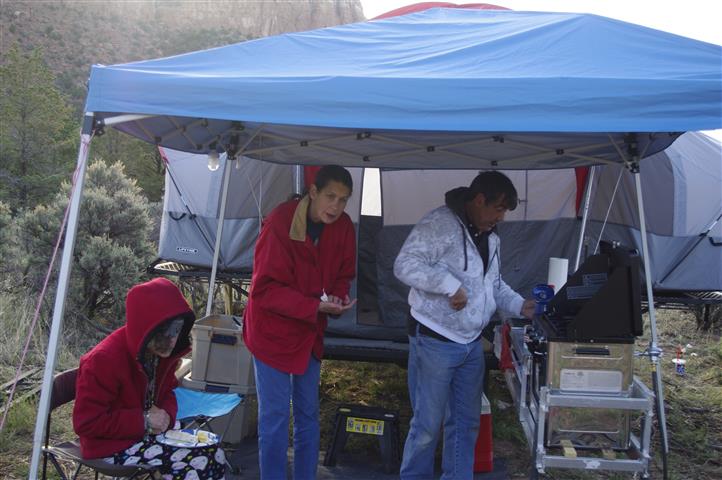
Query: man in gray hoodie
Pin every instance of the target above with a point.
(451, 262)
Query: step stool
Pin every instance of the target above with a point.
(363, 420)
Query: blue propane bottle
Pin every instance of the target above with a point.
(542, 294)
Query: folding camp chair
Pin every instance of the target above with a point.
(64, 392)
(196, 409)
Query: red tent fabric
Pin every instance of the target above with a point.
(418, 7)
(309, 175)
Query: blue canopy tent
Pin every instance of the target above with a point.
(442, 88)
(381, 93)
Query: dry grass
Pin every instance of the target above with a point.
(694, 401)
(693, 404)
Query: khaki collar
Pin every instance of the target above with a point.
(299, 221)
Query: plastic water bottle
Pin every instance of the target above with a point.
(542, 294)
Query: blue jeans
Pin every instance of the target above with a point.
(448, 383)
(276, 391)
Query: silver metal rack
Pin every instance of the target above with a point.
(533, 409)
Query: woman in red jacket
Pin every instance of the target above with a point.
(124, 391)
(304, 261)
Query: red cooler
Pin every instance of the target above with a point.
(484, 450)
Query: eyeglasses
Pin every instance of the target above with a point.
(173, 329)
(164, 339)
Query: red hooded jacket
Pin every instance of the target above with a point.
(111, 384)
(282, 325)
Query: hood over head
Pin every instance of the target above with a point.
(148, 306)
(455, 200)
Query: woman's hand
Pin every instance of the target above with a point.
(158, 420)
(335, 306)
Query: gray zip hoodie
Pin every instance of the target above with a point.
(437, 258)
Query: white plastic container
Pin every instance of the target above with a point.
(219, 354)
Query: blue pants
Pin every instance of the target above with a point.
(276, 391)
(445, 381)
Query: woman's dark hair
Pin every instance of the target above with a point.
(494, 185)
(335, 173)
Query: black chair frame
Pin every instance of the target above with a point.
(63, 392)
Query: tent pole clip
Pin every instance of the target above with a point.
(632, 163)
(652, 351)
(98, 127)
(232, 147)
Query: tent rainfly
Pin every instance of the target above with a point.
(489, 89)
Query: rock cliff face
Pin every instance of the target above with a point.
(74, 34)
(256, 18)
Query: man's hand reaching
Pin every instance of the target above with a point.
(527, 308)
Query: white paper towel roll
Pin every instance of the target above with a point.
(557, 276)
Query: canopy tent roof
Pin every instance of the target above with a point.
(441, 88)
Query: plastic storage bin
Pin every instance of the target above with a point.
(219, 354)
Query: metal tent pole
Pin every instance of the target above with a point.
(700, 237)
(232, 154)
(219, 231)
(653, 351)
(298, 180)
(585, 216)
(63, 281)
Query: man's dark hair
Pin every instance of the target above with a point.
(335, 173)
(494, 185)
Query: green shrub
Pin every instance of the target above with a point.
(112, 249)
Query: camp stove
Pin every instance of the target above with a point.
(572, 379)
(590, 369)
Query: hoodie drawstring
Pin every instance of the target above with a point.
(463, 242)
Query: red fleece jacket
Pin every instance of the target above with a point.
(282, 325)
(111, 384)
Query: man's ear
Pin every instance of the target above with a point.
(479, 200)
(312, 191)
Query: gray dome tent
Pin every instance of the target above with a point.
(683, 199)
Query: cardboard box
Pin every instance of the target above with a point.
(219, 355)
